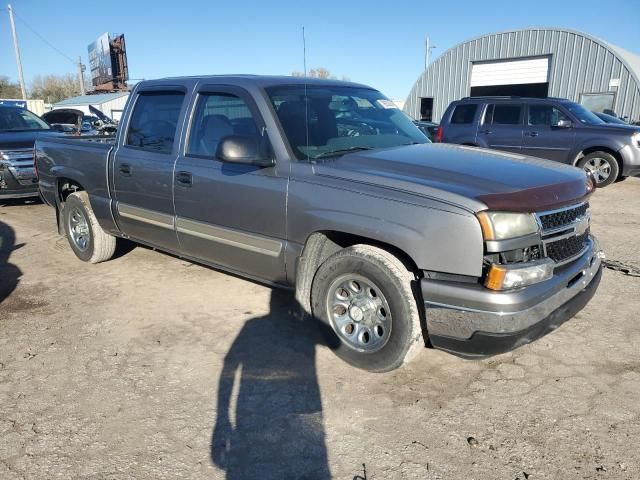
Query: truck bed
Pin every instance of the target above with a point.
(84, 159)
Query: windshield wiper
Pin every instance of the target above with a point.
(333, 153)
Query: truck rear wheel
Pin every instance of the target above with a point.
(87, 239)
(364, 293)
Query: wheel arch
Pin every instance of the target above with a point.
(586, 151)
(320, 245)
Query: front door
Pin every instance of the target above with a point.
(143, 169)
(229, 214)
(502, 127)
(546, 133)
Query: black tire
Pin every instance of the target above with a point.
(609, 165)
(99, 245)
(387, 273)
(621, 179)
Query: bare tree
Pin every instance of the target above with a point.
(319, 72)
(54, 88)
(9, 89)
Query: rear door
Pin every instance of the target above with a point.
(143, 167)
(229, 214)
(501, 127)
(461, 126)
(542, 135)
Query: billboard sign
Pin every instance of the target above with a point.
(100, 60)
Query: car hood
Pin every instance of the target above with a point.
(24, 139)
(64, 116)
(470, 177)
(613, 128)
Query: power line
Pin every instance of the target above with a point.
(22, 20)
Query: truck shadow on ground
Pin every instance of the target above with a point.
(9, 273)
(278, 429)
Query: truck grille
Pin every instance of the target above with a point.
(564, 249)
(20, 163)
(555, 220)
(565, 233)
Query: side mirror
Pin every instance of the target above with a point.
(564, 124)
(244, 149)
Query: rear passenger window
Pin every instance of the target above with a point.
(217, 116)
(545, 115)
(463, 114)
(503, 115)
(154, 121)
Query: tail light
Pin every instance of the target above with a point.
(438, 137)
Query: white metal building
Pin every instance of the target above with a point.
(111, 104)
(534, 62)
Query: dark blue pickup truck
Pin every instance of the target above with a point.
(19, 129)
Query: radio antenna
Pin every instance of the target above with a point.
(304, 52)
(306, 100)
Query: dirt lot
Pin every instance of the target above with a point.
(150, 367)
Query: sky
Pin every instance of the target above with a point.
(380, 44)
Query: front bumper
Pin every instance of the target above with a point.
(472, 321)
(630, 161)
(12, 188)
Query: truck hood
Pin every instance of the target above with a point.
(470, 177)
(23, 139)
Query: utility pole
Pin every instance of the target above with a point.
(81, 75)
(427, 53)
(15, 46)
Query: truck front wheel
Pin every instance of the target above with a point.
(364, 293)
(87, 239)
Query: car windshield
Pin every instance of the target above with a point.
(14, 119)
(327, 121)
(583, 115)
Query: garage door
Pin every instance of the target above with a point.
(510, 72)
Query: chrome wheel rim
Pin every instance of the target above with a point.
(79, 229)
(599, 168)
(359, 313)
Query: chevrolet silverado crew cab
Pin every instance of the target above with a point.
(18, 130)
(552, 128)
(327, 188)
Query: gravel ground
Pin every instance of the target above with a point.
(150, 367)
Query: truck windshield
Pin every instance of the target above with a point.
(327, 121)
(14, 119)
(583, 115)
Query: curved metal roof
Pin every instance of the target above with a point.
(581, 63)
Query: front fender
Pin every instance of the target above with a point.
(435, 239)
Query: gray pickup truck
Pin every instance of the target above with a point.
(327, 188)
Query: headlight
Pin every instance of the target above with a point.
(505, 277)
(504, 225)
(635, 139)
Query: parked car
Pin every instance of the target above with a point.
(551, 128)
(327, 188)
(430, 129)
(18, 130)
(606, 118)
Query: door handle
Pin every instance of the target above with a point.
(184, 178)
(125, 169)
(532, 134)
(486, 132)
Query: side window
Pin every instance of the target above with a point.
(464, 114)
(218, 115)
(545, 115)
(154, 121)
(503, 115)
